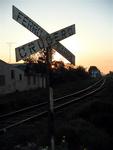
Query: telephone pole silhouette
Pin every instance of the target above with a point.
(10, 46)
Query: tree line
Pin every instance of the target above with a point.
(60, 72)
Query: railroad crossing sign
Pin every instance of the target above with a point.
(45, 39)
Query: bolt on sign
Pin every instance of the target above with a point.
(45, 39)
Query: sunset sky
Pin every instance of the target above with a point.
(92, 44)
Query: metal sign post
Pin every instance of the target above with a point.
(46, 41)
(50, 100)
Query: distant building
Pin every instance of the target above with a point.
(14, 77)
(94, 72)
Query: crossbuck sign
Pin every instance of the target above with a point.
(45, 39)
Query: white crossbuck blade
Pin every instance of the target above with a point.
(37, 45)
(45, 40)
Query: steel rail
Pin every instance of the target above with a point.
(56, 108)
(83, 96)
(45, 103)
(79, 92)
(22, 110)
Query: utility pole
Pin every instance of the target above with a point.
(10, 46)
(50, 99)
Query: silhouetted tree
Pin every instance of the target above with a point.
(36, 63)
(38, 57)
(81, 72)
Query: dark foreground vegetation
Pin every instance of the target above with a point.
(89, 126)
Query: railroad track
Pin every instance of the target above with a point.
(18, 117)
